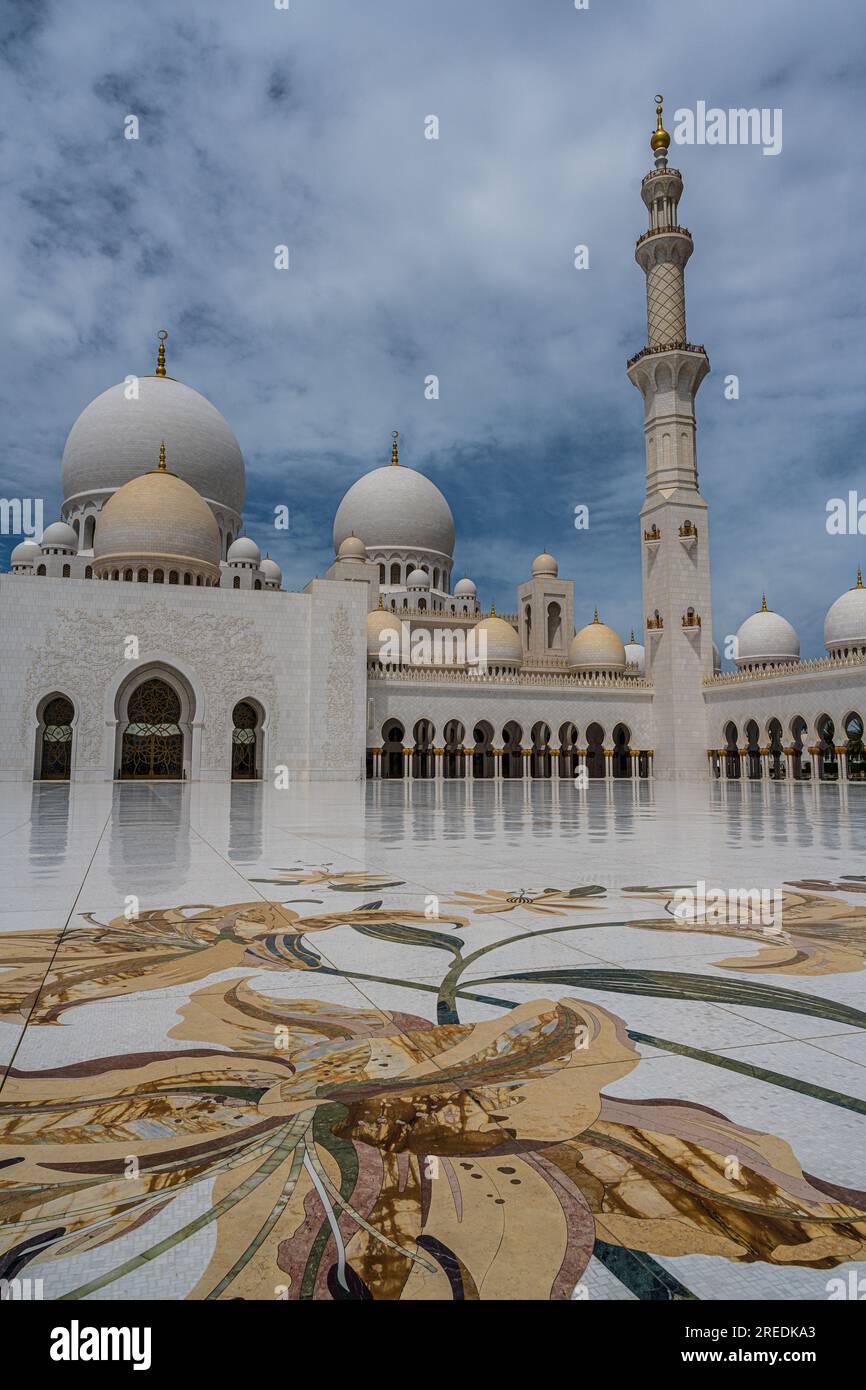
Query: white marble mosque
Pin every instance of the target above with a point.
(146, 635)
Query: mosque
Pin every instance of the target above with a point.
(146, 636)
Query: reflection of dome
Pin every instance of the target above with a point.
(25, 554)
(766, 639)
(544, 565)
(352, 548)
(845, 623)
(244, 551)
(59, 536)
(271, 572)
(596, 648)
(464, 588)
(161, 519)
(635, 655)
(382, 627)
(395, 508)
(497, 643)
(418, 579)
(115, 439)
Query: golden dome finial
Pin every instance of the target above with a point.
(595, 616)
(394, 437)
(160, 356)
(631, 639)
(493, 610)
(859, 584)
(381, 604)
(161, 467)
(764, 608)
(661, 139)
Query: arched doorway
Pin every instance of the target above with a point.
(753, 750)
(621, 751)
(595, 751)
(539, 759)
(802, 766)
(246, 723)
(482, 754)
(732, 752)
(855, 755)
(568, 750)
(856, 759)
(55, 739)
(152, 744)
(454, 756)
(777, 759)
(392, 748)
(512, 750)
(423, 755)
(828, 765)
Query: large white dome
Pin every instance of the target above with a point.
(845, 623)
(395, 508)
(115, 439)
(766, 639)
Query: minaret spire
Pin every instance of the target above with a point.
(394, 459)
(676, 575)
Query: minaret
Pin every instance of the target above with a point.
(674, 531)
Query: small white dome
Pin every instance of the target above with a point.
(635, 655)
(245, 550)
(497, 643)
(845, 623)
(382, 627)
(596, 648)
(545, 566)
(271, 571)
(26, 552)
(464, 588)
(766, 639)
(352, 548)
(59, 536)
(418, 579)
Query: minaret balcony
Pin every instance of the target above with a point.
(697, 348)
(653, 537)
(663, 231)
(656, 623)
(691, 621)
(689, 536)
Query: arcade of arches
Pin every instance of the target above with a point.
(487, 752)
(800, 755)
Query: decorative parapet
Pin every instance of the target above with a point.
(815, 666)
(666, 347)
(451, 676)
(663, 231)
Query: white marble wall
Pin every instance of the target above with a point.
(301, 656)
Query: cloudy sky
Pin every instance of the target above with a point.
(410, 257)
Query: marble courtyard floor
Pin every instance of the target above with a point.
(428, 1041)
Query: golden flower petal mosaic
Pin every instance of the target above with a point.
(352, 1152)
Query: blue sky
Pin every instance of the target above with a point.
(412, 257)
